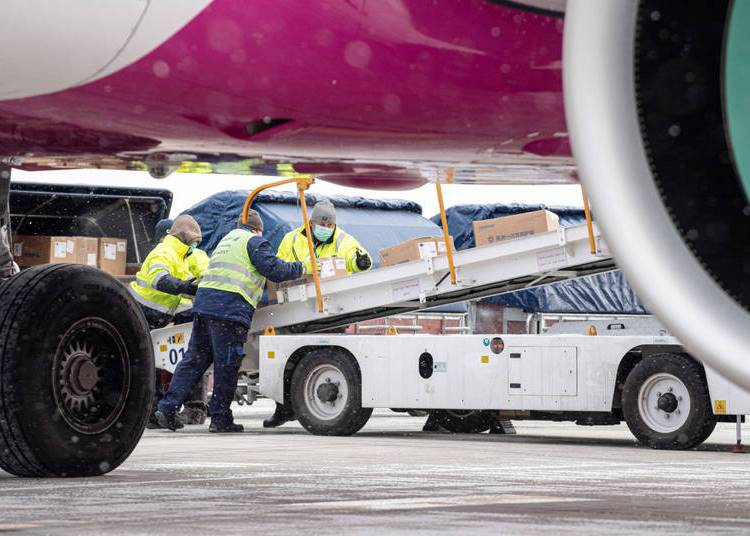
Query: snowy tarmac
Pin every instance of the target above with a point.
(553, 478)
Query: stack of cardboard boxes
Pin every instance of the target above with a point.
(108, 254)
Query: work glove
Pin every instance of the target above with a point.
(189, 288)
(363, 261)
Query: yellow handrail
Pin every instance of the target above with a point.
(250, 198)
(446, 234)
(589, 225)
(303, 183)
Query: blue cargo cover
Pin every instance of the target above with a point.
(606, 293)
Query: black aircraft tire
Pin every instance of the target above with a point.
(76, 372)
(344, 415)
(464, 421)
(683, 380)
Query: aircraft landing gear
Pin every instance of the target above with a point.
(76, 367)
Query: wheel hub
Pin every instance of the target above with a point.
(667, 402)
(664, 403)
(90, 375)
(79, 376)
(328, 391)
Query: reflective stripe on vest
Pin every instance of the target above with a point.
(150, 304)
(230, 268)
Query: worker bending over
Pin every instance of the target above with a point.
(329, 240)
(164, 287)
(223, 311)
(169, 274)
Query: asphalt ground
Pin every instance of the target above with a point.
(552, 478)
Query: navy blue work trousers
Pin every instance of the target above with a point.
(220, 342)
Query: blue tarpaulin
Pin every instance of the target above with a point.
(376, 223)
(601, 293)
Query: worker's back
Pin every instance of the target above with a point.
(233, 283)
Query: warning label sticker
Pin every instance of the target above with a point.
(61, 250)
(110, 252)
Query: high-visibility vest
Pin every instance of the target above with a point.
(230, 268)
(167, 258)
(294, 247)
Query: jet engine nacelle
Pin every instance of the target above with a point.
(657, 99)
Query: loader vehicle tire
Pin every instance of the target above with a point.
(461, 421)
(76, 372)
(327, 393)
(666, 404)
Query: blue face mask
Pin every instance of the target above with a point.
(191, 248)
(322, 233)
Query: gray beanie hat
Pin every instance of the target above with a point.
(324, 212)
(253, 221)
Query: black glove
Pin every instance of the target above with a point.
(363, 260)
(189, 288)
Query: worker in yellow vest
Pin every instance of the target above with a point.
(329, 240)
(164, 287)
(223, 311)
(166, 276)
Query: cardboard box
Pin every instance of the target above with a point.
(330, 268)
(33, 250)
(413, 250)
(516, 226)
(87, 251)
(113, 255)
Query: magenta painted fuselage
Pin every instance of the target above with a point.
(322, 82)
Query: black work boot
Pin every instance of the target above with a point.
(280, 416)
(168, 421)
(194, 412)
(225, 427)
(152, 423)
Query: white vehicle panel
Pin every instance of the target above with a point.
(563, 373)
